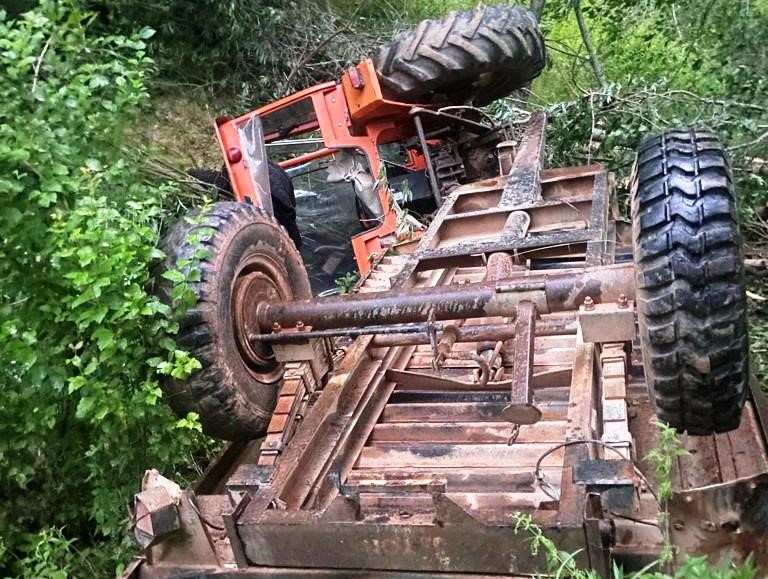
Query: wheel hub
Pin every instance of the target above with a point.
(258, 280)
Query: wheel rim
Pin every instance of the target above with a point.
(258, 279)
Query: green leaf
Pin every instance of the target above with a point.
(84, 407)
(104, 338)
(93, 165)
(174, 275)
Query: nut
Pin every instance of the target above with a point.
(589, 303)
(623, 302)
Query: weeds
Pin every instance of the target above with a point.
(347, 282)
(663, 458)
(561, 564)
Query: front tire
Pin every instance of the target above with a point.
(249, 259)
(691, 294)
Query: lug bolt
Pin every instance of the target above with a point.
(623, 302)
(589, 303)
(276, 328)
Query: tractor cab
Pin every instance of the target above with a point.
(395, 161)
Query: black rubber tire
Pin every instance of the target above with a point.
(691, 295)
(281, 188)
(470, 57)
(234, 399)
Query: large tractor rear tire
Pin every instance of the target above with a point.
(250, 259)
(691, 295)
(470, 57)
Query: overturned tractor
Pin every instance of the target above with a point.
(510, 358)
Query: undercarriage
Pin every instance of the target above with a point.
(490, 369)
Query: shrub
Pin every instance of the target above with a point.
(80, 418)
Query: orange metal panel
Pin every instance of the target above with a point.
(242, 184)
(319, 154)
(291, 99)
(368, 101)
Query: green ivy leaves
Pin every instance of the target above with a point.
(83, 338)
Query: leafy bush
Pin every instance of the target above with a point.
(80, 420)
(668, 65)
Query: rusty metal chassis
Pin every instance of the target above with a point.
(299, 511)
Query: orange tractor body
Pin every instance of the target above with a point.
(354, 114)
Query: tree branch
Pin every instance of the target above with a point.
(597, 68)
(39, 62)
(756, 141)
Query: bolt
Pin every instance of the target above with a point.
(678, 526)
(623, 302)
(300, 325)
(589, 303)
(276, 328)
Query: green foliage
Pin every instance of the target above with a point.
(46, 555)
(561, 564)
(663, 458)
(80, 418)
(255, 50)
(758, 331)
(668, 65)
(347, 282)
(557, 563)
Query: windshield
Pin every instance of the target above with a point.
(295, 118)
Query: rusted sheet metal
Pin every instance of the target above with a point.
(500, 266)
(550, 292)
(569, 241)
(491, 479)
(521, 409)
(422, 381)
(488, 410)
(410, 380)
(581, 407)
(611, 322)
(716, 519)
(143, 571)
(349, 446)
(523, 183)
(301, 539)
(597, 249)
(471, 432)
